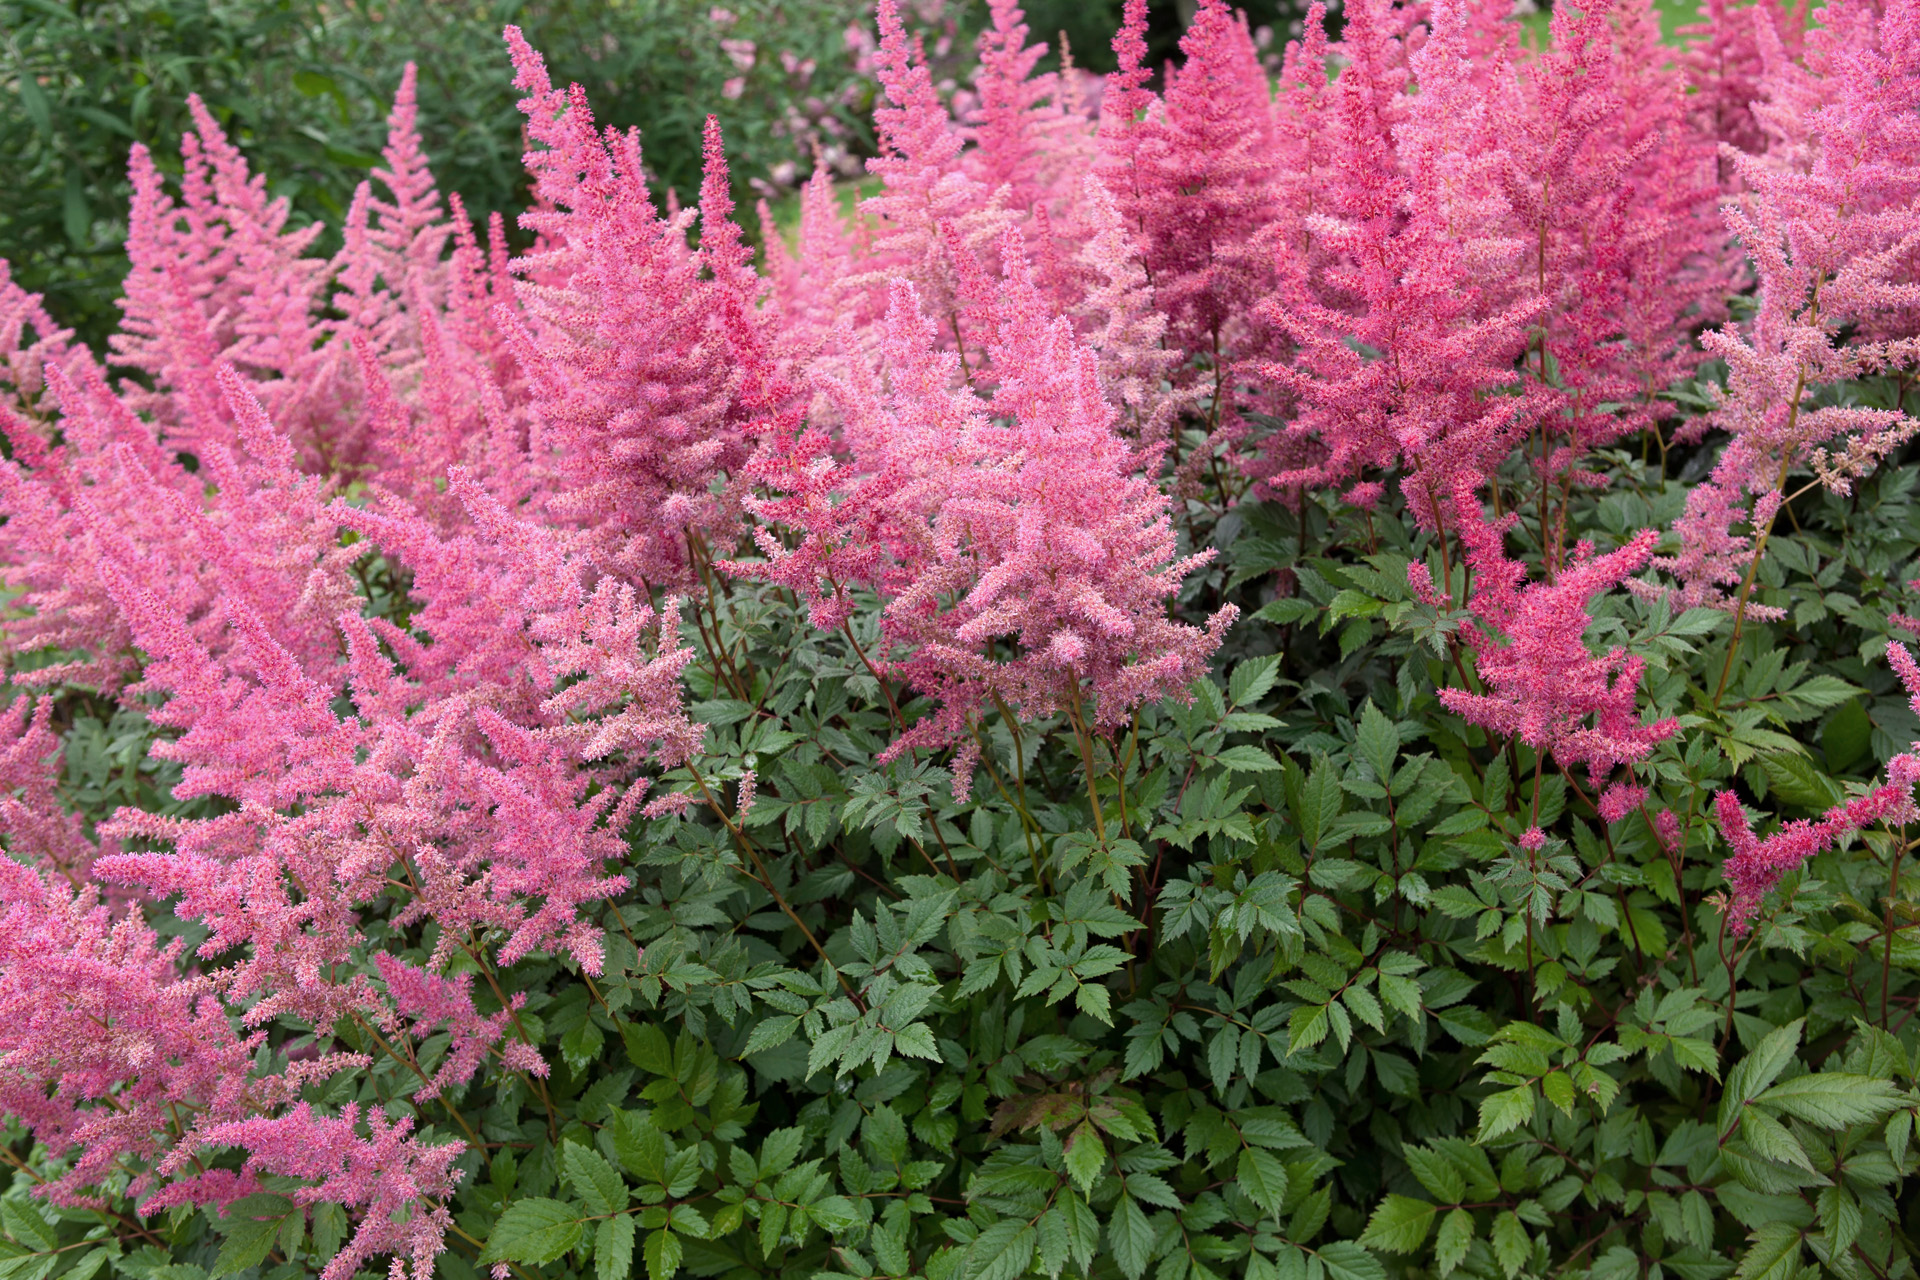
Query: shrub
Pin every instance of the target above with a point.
(1012, 737)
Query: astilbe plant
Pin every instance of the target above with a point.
(1145, 698)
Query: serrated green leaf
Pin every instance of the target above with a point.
(1252, 679)
(1772, 1140)
(663, 1252)
(1847, 737)
(1504, 1112)
(535, 1230)
(1131, 1237)
(593, 1179)
(1086, 1156)
(1001, 1252)
(249, 1240)
(1377, 741)
(647, 1048)
(770, 1033)
(1451, 1244)
(1345, 1260)
(1263, 1177)
(613, 1248)
(1773, 1253)
(1511, 1244)
(1794, 779)
(1399, 1225)
(1832, 1100)
(1443, 1179)
(1757, 1070)
(1246, 759)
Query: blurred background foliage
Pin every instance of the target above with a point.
(304, 87)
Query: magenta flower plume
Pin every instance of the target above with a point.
(40, 832)
(1017, 126)
(923, 182)
(1754, 865)
(637, 432)
(1544, 686)
(1833, 229)
(29, 341)
(104, 1047)
(428, 1003)
(1196, 175)
(1025, 565)
(400, 1185)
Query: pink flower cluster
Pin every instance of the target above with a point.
(1754, 866)
(1543, 685)
(1829, 213)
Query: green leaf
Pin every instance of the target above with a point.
(25, 1223)
(647, 1048)
(1263, 1178)
(1310, 1215)
(1377, 741)
(593, 1179)
(1306, 1027)
(1345, 1260)
(1772, 1140)
(1794, 779)
(1450, 1246)
(1758, 1069)
(1399, 1225)
(1840, 1216)
(1001, 1252)
(663, 1255)
(834, 1213)
(1319, 804)
(1286, 610)
(34, 99)
(1504, 1112)
(249, 1238)
(1557, 1088)
(1245, 759)
(1899, 1134)
(1847, 737)
(770, 1033)
(1511, 1244)
(1083, 1229)
(1252, 679)
(613, 1248)
(329, 1229)
(1815, 694)
(582, 1045)
(93, 1262)
(1442, 1178)
(1773, 1253)
(1131, 1237)
(782, 1147)
(1086, 1156)
(884, 1132)
(1696, 622)
(639, 1146)
(535, 1231)
(1832, 1100)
